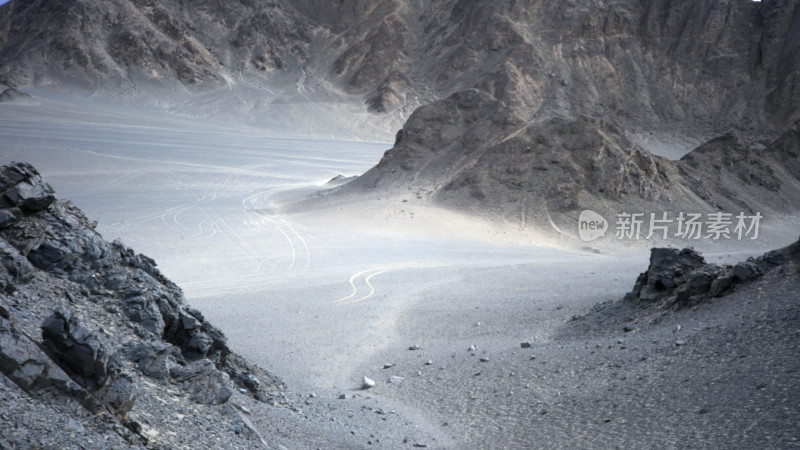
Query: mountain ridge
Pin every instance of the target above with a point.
(681, 65)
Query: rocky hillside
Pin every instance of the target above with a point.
(101, 343)
(689, 66)
(470, 152)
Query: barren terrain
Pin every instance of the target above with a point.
(388, 288)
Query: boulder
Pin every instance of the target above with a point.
(77, 349)
(669, 268)
(155, 359)
(14, 268)
(204, 382)
(24, 363)
(23, 187)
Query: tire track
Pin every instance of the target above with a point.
(368, 275)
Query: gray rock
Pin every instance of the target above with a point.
(367, 383)
(721, 283)
(24, 188)
(745, 271)
(24, 363)
(75, 425)
(204, 382)
(668, 269)
(155, 359)
(76, 348)
(14, 268)
(120, 395)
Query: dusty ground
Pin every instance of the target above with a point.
(325, 298)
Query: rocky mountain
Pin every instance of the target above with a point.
(690, 66)
(472, 153)
(528, 110)
(100, 340)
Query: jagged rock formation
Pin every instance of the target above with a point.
(692, 66)
(678, 279)
(84, 322)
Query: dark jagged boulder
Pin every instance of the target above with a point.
(204, 382)
(24, 363)
(22, 187)
(155, 359)
(681, 278)
(669, 269)
(14, 268)
(78, 349)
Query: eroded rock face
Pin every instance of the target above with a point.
(733, 174)
(706, 65)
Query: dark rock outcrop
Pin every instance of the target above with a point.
(204, 382)
(680, 278)
(83, 322)
(79, 350)
(23, 362)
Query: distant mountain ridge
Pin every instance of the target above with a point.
(678, 65)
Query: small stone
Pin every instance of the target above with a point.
(367, 383)
(525, 345)
(388, 366)
(312, 395)
(680, 342)
(396, 379)
(628, 327)
(472, 348)
(415, 347)
(420, 445)
(75, 425)
(676, 329)
(429, 362)
(484, 359)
